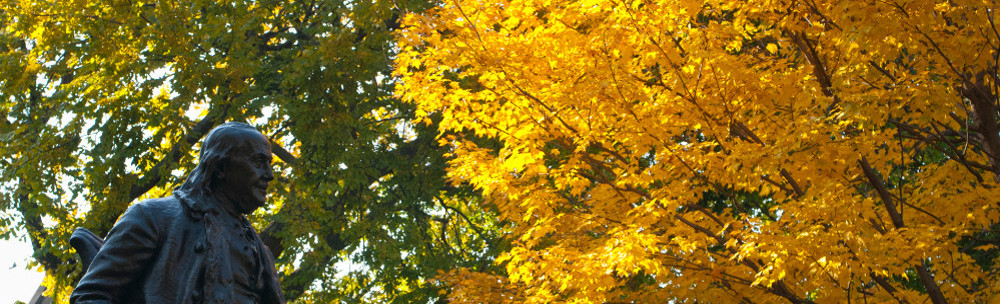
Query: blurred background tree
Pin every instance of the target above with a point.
(104, 104)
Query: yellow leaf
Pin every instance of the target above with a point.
(986, 247)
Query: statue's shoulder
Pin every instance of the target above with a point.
(160, 208)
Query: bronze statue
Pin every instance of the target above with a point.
(195, 246)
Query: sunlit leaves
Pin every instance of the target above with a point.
(721, 151)
(104, 103)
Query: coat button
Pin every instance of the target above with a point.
(199, 247)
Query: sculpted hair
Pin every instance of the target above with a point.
(218, 144)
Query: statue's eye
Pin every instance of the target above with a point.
(259, 161)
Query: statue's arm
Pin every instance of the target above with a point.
(122, 260)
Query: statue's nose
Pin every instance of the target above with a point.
(268, 174)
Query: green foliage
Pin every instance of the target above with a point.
(104, 102)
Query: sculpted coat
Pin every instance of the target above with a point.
(160, 233)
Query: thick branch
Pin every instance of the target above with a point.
(984, 117)
(283, 154)
(36, 232)
(30, 214)
(819, 67)
(932, 289)
(270, 239)
(880, 280)
(115, 206)
(876, 182)
(153, 176)
(791, 181)
(897, 220)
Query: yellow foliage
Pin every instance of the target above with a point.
(724, 151)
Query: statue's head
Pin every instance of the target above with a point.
(234, 165)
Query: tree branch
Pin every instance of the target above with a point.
(897, 220)
(819, 67)
(932, 289)
(153, 175)
(876, 182)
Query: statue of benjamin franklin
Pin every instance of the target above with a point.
(195, 246)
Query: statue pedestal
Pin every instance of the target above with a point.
(38, 298)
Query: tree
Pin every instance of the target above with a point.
(721, 151)
(104, 102)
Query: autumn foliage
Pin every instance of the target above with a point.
(721, 151)
(104, 103)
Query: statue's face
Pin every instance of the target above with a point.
(246, 172)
